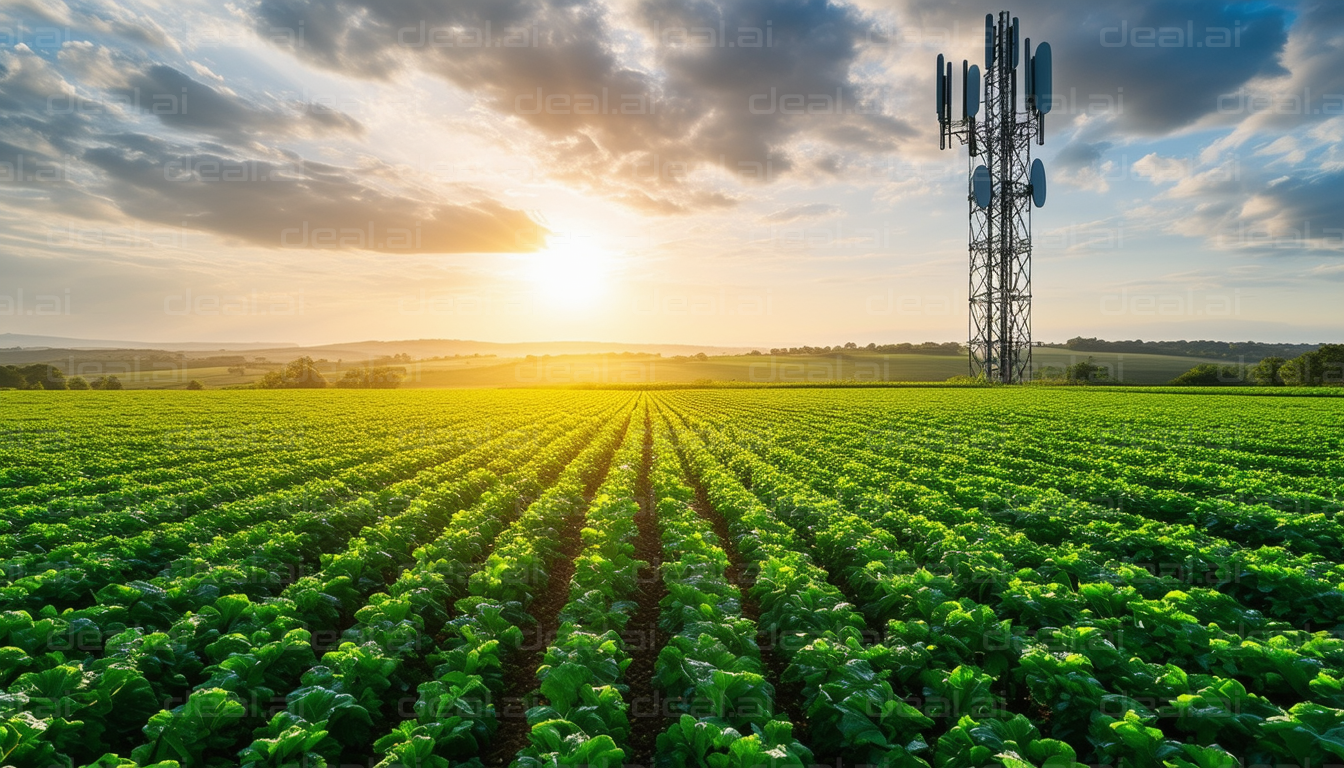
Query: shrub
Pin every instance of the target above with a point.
(1208, 375)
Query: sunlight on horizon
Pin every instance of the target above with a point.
(570, 274)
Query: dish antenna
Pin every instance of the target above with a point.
(1037, 183)
(972, 91)
(1004, 185)
(980, 187)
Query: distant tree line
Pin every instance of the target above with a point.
(904, 348)
(1322, 367)
(35, 376)
(44, 376)
(1217, 350)
(304, 374)
(372, 377)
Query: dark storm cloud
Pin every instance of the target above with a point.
(734, 83)
(1080, 154)
(1311, 204)
(297, 206)
(1314, 90)
(754, 100)
(1172, 58)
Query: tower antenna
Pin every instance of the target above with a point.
(1003, 186)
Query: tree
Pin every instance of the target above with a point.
(1202, 375)
(106, 382)
(35, 376)
(77, 382)
(1085, 371)
(1297, 372)
(1266, 372)
(1324, 367)
(298, 374)
(1208, 375)
(195, 384)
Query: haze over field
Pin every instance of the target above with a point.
(730, 173)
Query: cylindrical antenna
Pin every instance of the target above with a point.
(989, 42)
(947, 93)
(1028, 87)
(965, 89)
(971, 90)
(941, 98)
(1015, 40)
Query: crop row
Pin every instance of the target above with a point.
(715, 579)
(1084, 665)
(254, 647)
(1255, 507)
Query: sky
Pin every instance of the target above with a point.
(735, 172)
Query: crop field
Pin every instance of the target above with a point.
(922, 578)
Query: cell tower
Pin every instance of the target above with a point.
(1003, 186)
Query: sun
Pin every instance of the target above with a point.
(569, 274)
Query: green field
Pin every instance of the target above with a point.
(942, 577)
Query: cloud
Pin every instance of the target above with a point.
(77, 156)
(1162, 170)
(1146, 67)
(181, 102)
(1080, 164)
(730, 84)
(1308, 89)
(1233, 206)
(298, 205)
(91, 17)
(1332, 272)
(38, 142)
(1310, 208)
(806, 211)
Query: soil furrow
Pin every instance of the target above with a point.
(788, 695)
(521, 687)
(644, 639)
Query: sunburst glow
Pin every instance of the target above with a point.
(571, 275)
